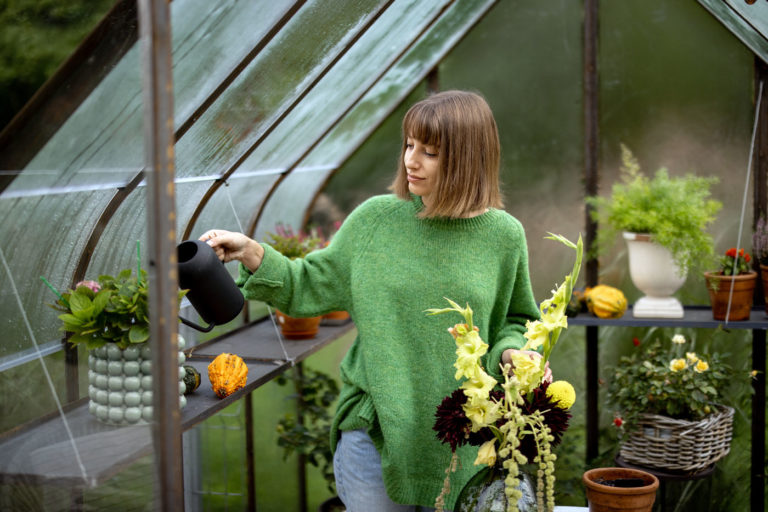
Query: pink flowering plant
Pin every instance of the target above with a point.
(668, 379)
(295, 244)
(114, 309)
(518, 421)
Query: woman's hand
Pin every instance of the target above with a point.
(506, 358)
(230, 245)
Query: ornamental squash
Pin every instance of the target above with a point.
(605, 301)
(191, 379)
(228, 373)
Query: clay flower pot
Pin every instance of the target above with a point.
(298, 328)
(335, 318)
(719, 288)
(620, 489)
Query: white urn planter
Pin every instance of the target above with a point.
(655, 273)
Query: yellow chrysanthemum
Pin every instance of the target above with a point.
(701, 366)
(677, 364)
(487, 453)
(563, 393)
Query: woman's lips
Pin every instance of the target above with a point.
(413, 179)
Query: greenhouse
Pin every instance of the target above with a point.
(141, 142)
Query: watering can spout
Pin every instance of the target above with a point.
(212, 291)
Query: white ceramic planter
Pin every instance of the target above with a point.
(120, 383)
(655, 273)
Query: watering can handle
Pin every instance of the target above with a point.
(193, 325)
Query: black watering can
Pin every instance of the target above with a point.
(212, 291)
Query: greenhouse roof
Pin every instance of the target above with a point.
(746, 19)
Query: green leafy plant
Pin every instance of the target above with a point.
(675, 211)
(295, 244)
(667, 380)
(110, 310)
(309, 431)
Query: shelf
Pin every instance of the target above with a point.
(42, 452)
(693, 317)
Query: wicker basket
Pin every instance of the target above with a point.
(677, 445)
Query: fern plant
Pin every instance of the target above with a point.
(675, 211)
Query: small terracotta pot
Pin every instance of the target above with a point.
(719, 288)
(608, 498)
(298, 328)
(335, 318)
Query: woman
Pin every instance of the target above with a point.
(441, 234)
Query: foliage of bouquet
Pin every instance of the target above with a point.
(732, 264)
(519, 423)
(295, 244)
(110, 310)
(667, 380)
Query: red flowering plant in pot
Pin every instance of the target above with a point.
(731, 289)
(514, 423)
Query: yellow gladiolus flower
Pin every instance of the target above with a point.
(527, 371)
(562, 393)
(536, 333)
(677, 364)
(701, 367)
(487, 453)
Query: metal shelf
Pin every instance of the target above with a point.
(42, 452)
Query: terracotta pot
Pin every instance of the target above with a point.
(764, 276)
(611, 498)
(335, 318)
(719, 287)
(298, 328)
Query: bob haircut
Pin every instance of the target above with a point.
(461, 126)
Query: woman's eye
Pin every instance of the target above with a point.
(431, 155)
(409, 146)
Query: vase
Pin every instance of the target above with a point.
(120, 383)
(294, 328)
(620, 489)
(485, 491)
(655, 273)
(738, 290)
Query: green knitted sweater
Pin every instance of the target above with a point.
(386, 267)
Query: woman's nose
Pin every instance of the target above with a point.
(410, 160)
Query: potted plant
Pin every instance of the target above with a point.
(612, 489)
(296, 244)
(732, 288)
(663, 220)
(110, 317)
(308, 432)
(760, 252)
(669, 413)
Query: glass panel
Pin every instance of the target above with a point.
(265, 90)
(378, 49)
(747, 22)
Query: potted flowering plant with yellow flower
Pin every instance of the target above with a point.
(514, 424)
(667, 406)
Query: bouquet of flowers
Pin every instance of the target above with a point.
(520, 422)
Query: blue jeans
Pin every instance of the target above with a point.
(359, 482)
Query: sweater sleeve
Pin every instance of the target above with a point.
(313, 285)
(522, 308)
